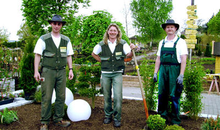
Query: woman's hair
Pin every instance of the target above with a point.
(106, 36)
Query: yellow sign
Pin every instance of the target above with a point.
(191, 41)
(192, 17)
(191, 36)
(192, 7)
(190, 46)
(191, 12)
(191, 21)
(190, 31)
(192, 26)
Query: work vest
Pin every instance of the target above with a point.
(168, 55)
(53, 57)
(112, 61)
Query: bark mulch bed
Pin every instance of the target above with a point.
(133, 118)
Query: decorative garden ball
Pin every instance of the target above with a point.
(68, 99)
(78, 110)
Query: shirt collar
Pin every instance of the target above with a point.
(175, 38)
(109, 42)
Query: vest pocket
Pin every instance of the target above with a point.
(63, 54)
(49, 54)
(119, 57)
(105, 58)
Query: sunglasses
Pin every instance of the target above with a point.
(57, 23)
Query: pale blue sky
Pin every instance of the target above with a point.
(11, 15)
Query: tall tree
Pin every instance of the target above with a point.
(148, 16)
(214, 24)
(37, 12)
(3, 35)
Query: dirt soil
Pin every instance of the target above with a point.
(133, 118)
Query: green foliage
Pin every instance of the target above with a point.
(37, 12)
(146, 72)
(193, 78)
(211, 124)
(71, 83)
(88, 79)
(208, 51)
(214, 24)
(156, 122)
(174, 127)
(38, 96)
(3, 35)
(7, 116)
(148, 24)
(27, 81)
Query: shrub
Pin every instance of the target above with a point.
(156, 122)
(150, 88)
(174, 127)
(211, 124)
(38, 96)
(193, 78)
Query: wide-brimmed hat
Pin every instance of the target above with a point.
(170, 22)
(57, 18)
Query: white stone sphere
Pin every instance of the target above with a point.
(68, 98)
(78, 110)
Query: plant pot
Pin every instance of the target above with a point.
(6, 101)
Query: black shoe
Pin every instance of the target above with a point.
(107, 120)
(117, 123)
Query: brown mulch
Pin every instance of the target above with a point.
(133, 118)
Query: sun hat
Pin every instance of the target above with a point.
(57, 18)
(170, 22)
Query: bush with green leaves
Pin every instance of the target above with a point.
(8, 116)
(156, 122)
(38, 96)
(71, 83)
(150, 88)
(174, 127)
(193, 79)
(88, 79)
(211, 124)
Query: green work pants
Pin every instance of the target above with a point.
(53, 79)
(167, 92)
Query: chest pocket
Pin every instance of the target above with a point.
(168, 57)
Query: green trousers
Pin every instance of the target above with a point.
(53, 79)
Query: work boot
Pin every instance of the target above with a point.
(44, 127)
(107, 120)
(62, 123)
(117, 123)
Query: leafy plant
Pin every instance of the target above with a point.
(211, 124)
(38, 96)
(193, 78)
(147, 71)
(174, 127)
(7, 116)
(88, 79)
(156, 122)
(71, 83)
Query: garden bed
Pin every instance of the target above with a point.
(133, 117)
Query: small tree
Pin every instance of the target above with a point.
(146, 71)
(193, 78)
(88, 79)
(208, 51)
(27, 81)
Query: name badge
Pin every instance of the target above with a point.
(62, 49)
(118, 53)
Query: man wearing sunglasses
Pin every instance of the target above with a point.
(56, 50)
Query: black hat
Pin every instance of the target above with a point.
(57, 18)
(170, 22)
